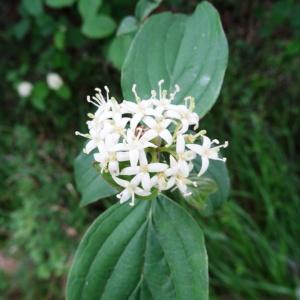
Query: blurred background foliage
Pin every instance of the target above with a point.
(253, 242)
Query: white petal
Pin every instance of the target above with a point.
(172, 114)
(121, 182)
(149, 135)
(90, 146)
(120, 147)
(130, 171)
(167, 122)
(146, 182)
(98, 157)
(124, 196)
(143, 158)
(184, 168)
(184, 126)
(154, 180)
(113, 167)
(136, 179)
(142, 192)
(166, 135)
(135, 120)
(180, 144)
(122, 156)
(157, 167)
(134, 157)
(204, 166)
(170, 183)
(196, 148)
(206, 142)
(150, 122)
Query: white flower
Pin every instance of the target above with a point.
(142, 171)
(183, 156)
(24, 89)
(184, 114)
(164, 102)
(146, 142)
(54, 81)
(207, 152)
(158, 128)
(179, 176)
(134, 145)
(107, 157)
(131, 189)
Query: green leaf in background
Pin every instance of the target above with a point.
(89, 8)
(118, 49)
(98, 26)
(145, 7)
(59, 3)
(141, 252)
(64, 92)
(33, 7)
(39, 95)
(21, 28)
(189, 51)
(128, 24)
(89, 181)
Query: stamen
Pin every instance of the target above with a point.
(153, 94)
(160, 84)
(89, 100)
(177, 89)
(86, 135)
(107, 92)
(137, 98)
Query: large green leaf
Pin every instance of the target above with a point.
(154, 250)
(89, 182)
(189, 51)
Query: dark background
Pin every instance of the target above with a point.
(252, 242)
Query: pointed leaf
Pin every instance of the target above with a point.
(89, 182)
(154, 250)
(189, 51)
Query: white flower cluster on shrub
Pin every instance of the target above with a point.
(147, 145)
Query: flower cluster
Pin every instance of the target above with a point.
(147, 145)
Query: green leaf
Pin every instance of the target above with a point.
(89, 8)
(145, 7)
(118, 49)
(89, 181)
(189, 51)
(59, 39)
(128, 24)
(200, 194)
(98, 26)
(218, 172)
(64, 92)
(33, 7)
(154, 250)
(21, 28)
(39, 95)
(59, 3)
